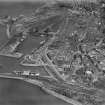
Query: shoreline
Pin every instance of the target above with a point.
(50, 92)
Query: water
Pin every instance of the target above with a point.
(16, 92)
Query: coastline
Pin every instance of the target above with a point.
(39, 84)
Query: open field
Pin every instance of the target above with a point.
(16, 92)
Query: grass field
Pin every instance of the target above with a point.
(16, 92)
